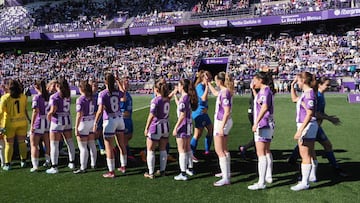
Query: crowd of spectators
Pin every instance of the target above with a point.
(333, 55)
(72, 15)
(219, 5)
(271, 8)
(156, 19)
(15, 20)
(291, 7)
(65, 15)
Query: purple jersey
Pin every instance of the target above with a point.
(160, 108)
(86, 106)
(111, 103)
(223, 100)
(307, 100)
(185, 126)
(264, 96)
(63, 108)
(38, 102)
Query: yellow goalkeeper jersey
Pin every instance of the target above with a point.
(13, 111)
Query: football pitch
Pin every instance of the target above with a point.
(19, 185)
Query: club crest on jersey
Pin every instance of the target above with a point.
(152, 106)
(226, 101)
(78, 107)
(311, 103)
(262, 98)
(182, 106)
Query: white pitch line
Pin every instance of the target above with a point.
(141, 108)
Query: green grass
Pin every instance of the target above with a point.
(19, 185)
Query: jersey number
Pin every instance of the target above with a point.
(167, 109)
(17, 105)
(91, 108)
(114, 103)
(66, 107)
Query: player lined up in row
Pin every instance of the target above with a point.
(111, 117)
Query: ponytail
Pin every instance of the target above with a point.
(229, 83)
(110, 81)
(86, 88)
(190, 90)
(162, 86)
(41, 85)
(64, 87)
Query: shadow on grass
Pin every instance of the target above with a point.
(243, 167)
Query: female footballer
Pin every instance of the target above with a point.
(263, 126)
(157, 128)
(15, 120)
(39, 123)
(85, 114)
(113, 123)
(60, 124)
(183, 127)
(200, 115)
(223, 123)
(307, 125)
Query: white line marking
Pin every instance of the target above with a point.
(141, 108)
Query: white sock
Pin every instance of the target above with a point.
(35, 162)
(47, 158)
(54, 152)
(93, 152)
(2, 152)
(189, 156)
(182, 162)
(228, 162)
(110, 164)
(305, 172)
(314, 164)
(262, 165)
(223, 168)
(150, 157)
(269, 167)
(123, 160)
(71, 149)
(84, 155)
(163, 160)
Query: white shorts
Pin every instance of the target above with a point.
(309, 133)
(227, 127)
(61, 126)
(86, 127)
(264, 135)
(162, 131)
(113, 125)
(42, 128)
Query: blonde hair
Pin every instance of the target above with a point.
(227, 81)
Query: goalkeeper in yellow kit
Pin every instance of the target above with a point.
(15, 120)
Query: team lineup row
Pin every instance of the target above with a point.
(109, 113)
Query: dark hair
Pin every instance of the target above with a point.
(64, 87)
(309, 79)
(41, 85)
(190, 90)
(86, 88)
(322, 80)
(227, 81)
(267, 79)
(162, 86)
(15, 88)
(110, 81)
